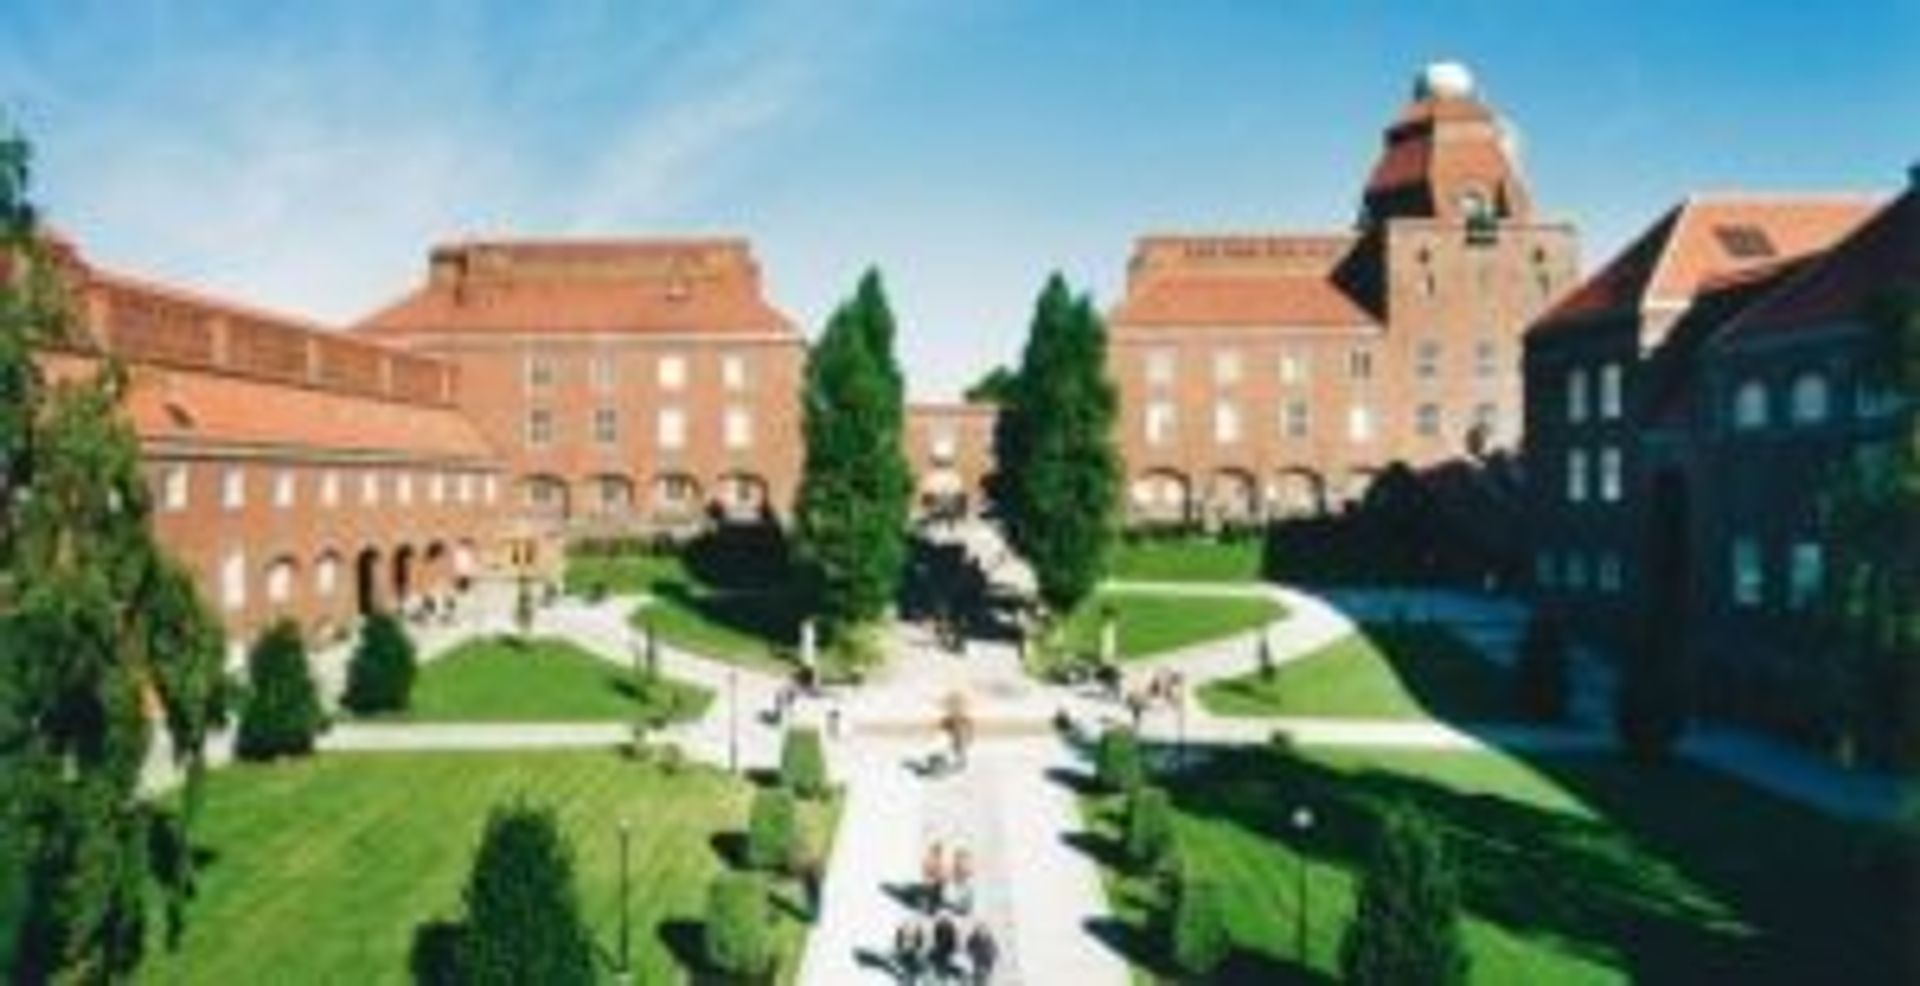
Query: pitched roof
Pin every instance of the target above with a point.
(1703, 242)
(1241, 300)
(621, 286)
(1883, 253)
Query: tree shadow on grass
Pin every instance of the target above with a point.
(1443, 673)
(731, 847)
(770, 615)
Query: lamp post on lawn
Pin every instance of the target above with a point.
(733, 720)
(625, 975)
(1302, 824)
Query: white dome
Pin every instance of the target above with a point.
(1443, 80)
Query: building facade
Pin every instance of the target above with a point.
(298, 473)
(629, 386)
(1265, 375)
(950, 452)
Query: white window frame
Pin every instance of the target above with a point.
(1750, 411)
(1162, 367)
(284, 493)
(733, 371)
(233, 488)
(606, 426)
(670, 371)
(538, 371)
(1612, 391)
(1226, 423)
(1811, 398)
(670, 428)
(1748, 571)
(175, 485)
(369, 488)
(1160, 422)
(539, 427)
(1226, 366)
(1577, 395)
(330, 488)
(1359, 424)
(1806, 574)
(1611, 466)
(1577, 475)
(233, 580)
(604, 372)
(737, 428)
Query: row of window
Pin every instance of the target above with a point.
(282, 574)
(669, 371)
(1610, 383)
(329, 487)
(1809, 402)
(1577, 571)
(1748, 575)
(669, 427)
(1582, 471)
(1162, 365)
(1162, 420)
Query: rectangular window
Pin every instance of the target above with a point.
(1293, 368)
(1612, 383)
(672, 372)
(1576, 396)
(233, 488)
(437, 488)
(173, 488)
(1486, 419)
(1360, 364)
(1607, 574)
(1427, 420)
(283, 488)
(1546, 574)
(1610, 484)
(606, 425)
(605, 373)
(539, 428)
(733, 371)
(369, 488)
(465, 488)
(1226, 366)
(1427, 360)
(670, 428)
(1749, 578)
(233, 580)
(1226, 424)
(1486, 359)
(1296, 419)
(330, 489)
(1359, 423)
(492, 487)
(943, 447)
(539, 370)
(1576, 570)
(1576, 476)
(738, 430)
(1159, 422)
(1160, 367)
(403, 489)
(1807, 574)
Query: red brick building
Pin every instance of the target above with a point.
(298, 473)
(950, 452)
(1270, 374)
(629, 385)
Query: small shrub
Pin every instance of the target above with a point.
(772, 831)
(1406, 922)
(1200, 942)
(381, 672)
(736, 937)
(282, 714)
(803, 762)
(523, 913)
(1542, 675)
(1117, 762)
(1149, 827)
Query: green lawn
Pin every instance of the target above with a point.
(626, 573)
(754, 624)
(1187, 559)
(544, 680)
(1574, 869)
(1152, 623)
(1384, 671)
(320, 870)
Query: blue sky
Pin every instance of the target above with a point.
(305, 154)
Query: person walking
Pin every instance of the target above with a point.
(962, 880)
(933, 877)
(909, 947)
(983, 953)
(946, 947)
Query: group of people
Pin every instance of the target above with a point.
(932, 948)
(1163, 687)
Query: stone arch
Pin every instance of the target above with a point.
(280, 580)
(545, 495)
(366, 571)
(609, 495)
(466, 563)
(1233, 495)
(1299, 492)
(1162, 495)
(326, 574)
(674, 496)
(740, 496)
(405, 574)
(435, 573)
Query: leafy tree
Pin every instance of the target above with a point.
(1406, 923)
(1117, 763)
(381, 672)
(1056, 479)
(523, 913)
(994, 387)
(737, 940)
(1149, 826)
(773, 831)
(851, 512)
(803, 762)
(94, 620)
(1542, 678)
(1200, 940)
(282, 714)
(1651, 709)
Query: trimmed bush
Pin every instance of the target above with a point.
(1117, 762)
(803, 762)
(1406, 922)
(773, 831)
(523, 913)
(736, 937)
(1149, 827)
(282, 713)
(1200, 942)
(1542, 678)
(381, 673)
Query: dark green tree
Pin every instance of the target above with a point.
(773, 831)
(851, 512)
(1117, 764)
(1200, 942)
(282, 714)
(94, 619)
(1406, 922)
(381, 672)
(523, 914)
(803, 762)
(1651, 708)
(1149, 827)
(994, 387)
(1056, 479)
(737, 942)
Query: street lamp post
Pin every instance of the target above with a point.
(733, 720)
(1302, 824)
(626, 939)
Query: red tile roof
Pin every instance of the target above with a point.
(683, 285)
(1882, 254)
(1686, 252)
(1241, 300)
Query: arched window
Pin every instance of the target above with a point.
(326, 575)
(1750, 406)
(233, 580)
(279, 581)
(1810, 398)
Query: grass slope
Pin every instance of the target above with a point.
(1385, 671)
(1151, 623)
(1187, 559)
(546, 680)
(321, 869)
